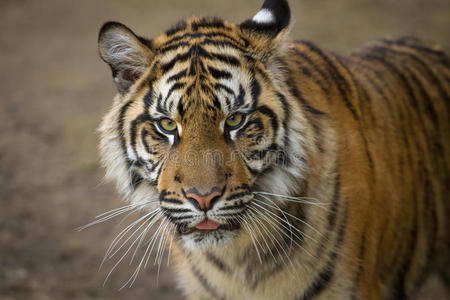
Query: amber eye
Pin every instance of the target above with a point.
(234, 120)
(167, 125)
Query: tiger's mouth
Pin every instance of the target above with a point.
(207, 226)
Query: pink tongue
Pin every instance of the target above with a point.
(207, 225)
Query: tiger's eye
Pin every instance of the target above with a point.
(234, 121)
(168, 124)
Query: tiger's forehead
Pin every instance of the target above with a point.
(203, 67)
(212, 31)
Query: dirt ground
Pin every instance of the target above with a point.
(53, 92)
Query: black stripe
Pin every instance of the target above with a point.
(387, 100)
(341, 84)
(162, 198)
(180, 26)
(144, 134)
(219, 74)
(229, 59)
(120, 122)
(332, 215)
(359, 272)
(418, 45)
(240, 97)
(208, 23)
(213, 35)
(218, 263)
(218, 86)
(251, 170)
(179, 218)
(407, 86)
(256, 124)
(308, 107)
(272, 116)
(171, 47)
(171, 200)
(136, 179)
(223, 43)
(204, 282)
(362, 133)
(287, 114)
(434, 80)
(176, 86)
(176, 210)
(148, 99)
(325, 276)
(231, 207)
(180, 57)
(238, 195)
(319, 81)
(177, 76)
(133, 130)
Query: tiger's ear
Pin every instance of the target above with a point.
(127, 54)
(268, 28)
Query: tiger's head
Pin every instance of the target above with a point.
(201, 121)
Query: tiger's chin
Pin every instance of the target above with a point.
(195, 239)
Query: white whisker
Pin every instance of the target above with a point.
(138, 268)
(274, 239)
(122, 234)
(291, 215)
(302, 200)
(252, 237)
(278, 217)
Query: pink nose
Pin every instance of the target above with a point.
(204, 200)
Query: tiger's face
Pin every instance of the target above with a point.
(198, 125)
(202, 144)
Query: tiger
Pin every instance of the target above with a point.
(275, 169)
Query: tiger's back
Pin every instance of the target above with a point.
(389, 106)
(405, 108)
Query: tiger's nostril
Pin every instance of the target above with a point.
(202, 201)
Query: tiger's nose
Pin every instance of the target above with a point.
(203, 201)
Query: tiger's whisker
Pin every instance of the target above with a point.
(119, 236)
(250, 232)
(295, 235)
(274, 240)
(112, 214)
(256, 219)
(152, 222)
(291, 215)
(278, 217)
(302, 200)
(170, 246)
(119, 261)
(138, 268)
(150, 217)
(154, 239)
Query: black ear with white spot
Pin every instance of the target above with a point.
(127, 54)
(273, 17)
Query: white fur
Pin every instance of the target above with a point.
(123, 52)
(264, 16)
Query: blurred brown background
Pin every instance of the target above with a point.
(53, 92)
